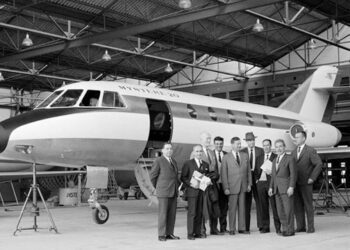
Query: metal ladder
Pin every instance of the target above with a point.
(143, 178)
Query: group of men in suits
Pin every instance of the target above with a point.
(237, 177)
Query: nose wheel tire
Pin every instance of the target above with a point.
(101, 215)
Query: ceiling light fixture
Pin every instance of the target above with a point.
(185, 4)
(27, 42)
(312, 44)
(168, 68)
(106, 57)
(258, 26)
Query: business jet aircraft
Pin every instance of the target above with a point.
(113, 125)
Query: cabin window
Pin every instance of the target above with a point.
(250, 119)
(91, 98)
(112, 99)
(68, 99)
(191, 111)
(212, 114)
(49, 99)
(267, 121)
(231, 116)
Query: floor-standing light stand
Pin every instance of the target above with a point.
(34, 191)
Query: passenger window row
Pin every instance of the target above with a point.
(230, 114)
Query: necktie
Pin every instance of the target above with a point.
(251, 158)
(171, 163)
(237, 159)
(299, 150)
(267, 157)
(278, 159)
(219, 153)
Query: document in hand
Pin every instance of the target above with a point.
(267, 166)
(199, 181)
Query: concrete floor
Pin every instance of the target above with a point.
(133, 225)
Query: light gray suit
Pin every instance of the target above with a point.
(283, 178)
(236, 178)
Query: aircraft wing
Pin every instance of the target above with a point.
(22, 174)
(334, 153)
(335, 90)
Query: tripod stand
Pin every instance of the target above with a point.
(34, 190)
(326, 192)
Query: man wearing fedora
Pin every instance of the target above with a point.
(256, 156)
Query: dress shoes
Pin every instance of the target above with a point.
(243, 232)
(286, 234)
(264, 231)
(310, 230)
(224, 231)
(172, 237)
(200, 236)
(232, 232)
(216, 233)
(162, 238)
(301, 230)
(191, 237)
(278, 232)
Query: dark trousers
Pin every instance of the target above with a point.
(303, 204)
(166, 215)
(223, 205)
(263, 188)
(194, 214)
(285, 208)
(248, 206)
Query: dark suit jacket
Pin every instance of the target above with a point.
(210, 160)
(285, 176)
(309, 164)
(165, 177)
(235, 177)
(259, 160)
(186, 174)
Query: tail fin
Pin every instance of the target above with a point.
(309, 100)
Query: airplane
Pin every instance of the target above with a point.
(113, 125)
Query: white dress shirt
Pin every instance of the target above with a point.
(198, 162)
(249, 150)
(279, 159)
(301, 150)
(219, 163)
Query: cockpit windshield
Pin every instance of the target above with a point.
(69, 98)
(49, 99)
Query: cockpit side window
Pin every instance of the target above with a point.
(49, 99)
(112, 99)
(91, 98)
(68, 99)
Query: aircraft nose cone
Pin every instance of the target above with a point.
(339, 136)
(4, 138)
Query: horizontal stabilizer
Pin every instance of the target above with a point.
(40, 173)
(334, 90)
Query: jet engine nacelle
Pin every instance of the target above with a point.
(318, 134)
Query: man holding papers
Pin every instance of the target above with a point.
(264, 177)
(237, 180)
(192, 177)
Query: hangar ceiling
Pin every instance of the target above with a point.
(70, 37)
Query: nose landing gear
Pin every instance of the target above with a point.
(100, 213)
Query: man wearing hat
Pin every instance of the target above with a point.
(256, 156)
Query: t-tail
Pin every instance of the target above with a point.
(312, 100)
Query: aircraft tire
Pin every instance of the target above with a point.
(100, 218)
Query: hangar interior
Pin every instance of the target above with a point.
(253, 51)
